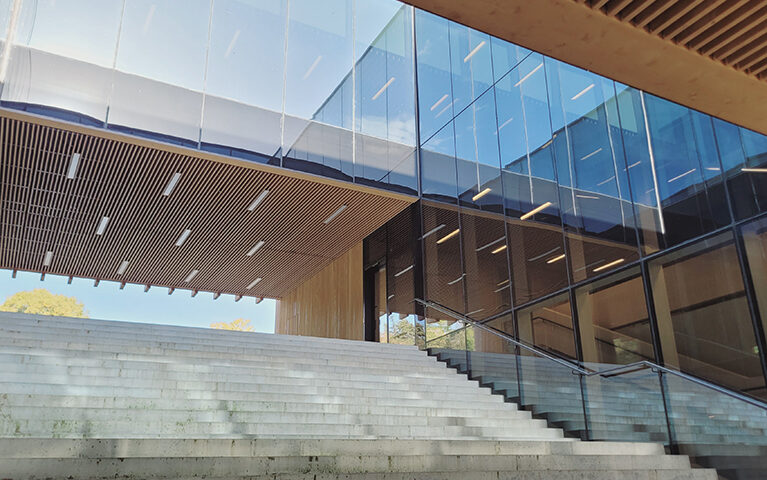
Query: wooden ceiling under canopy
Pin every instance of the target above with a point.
(710, 55)
(124, 178)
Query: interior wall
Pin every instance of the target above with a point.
(330, 304)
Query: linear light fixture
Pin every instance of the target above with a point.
(605, 181)
(184, 235)
(448, 236)
(500, 284)
(74, 161)
(474, 52)
(312, 67)
(488, 245)
(433, 230)
(123, 267)
(383, 89)
(522, 80)
(682, 175)
(254, 283)
(255, 248)
(102, 226)
(334, 214)
(260, 198)
(475, 311)
(592, 154)
(48, 258)
(404, 271)
(500, 289)
(232, 42)
(504, 124)
(191, 275)
(608, 265)
(555, 259)
(499, 249)
(446, 108)
(592, 197)
(436, 104)
(456, 280)
(171, 184)
(753, 170)
(535, 210)
(635, 164)
(544, 254)
(716, 169)
(481, 194)
(582, 92)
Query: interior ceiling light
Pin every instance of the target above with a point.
(334, 214)
(433, 230)
(383, 89)
(255, 248)
(74, 161)
(312, 67)
(608, 265)
(522, 80)
(191, 275)
(456, 280)
(102, 226)
(184, 235)
(499, 249)
(585, 157)
(48, 258)
(605, 181)
(441, 99)
(404, 271)
(254, 283)
(556, 259)
(232, 42)
(502, 283)
(582, 92)
(753, 170)
(682, 175)
(504, 124)
(535, 210)
(481, 194)
(475, 311)
(123, 267)
(592, 197)
(448, 236)
(171, 184)
(260, 198)
(474, 52)
(544, 254)
(491, 244)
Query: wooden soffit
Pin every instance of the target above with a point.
(710, 55)
(124, 178)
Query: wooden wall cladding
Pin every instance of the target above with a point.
(123, 178)
(330, 304)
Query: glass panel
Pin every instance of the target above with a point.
(613, 321)
(549, 325)
(385, 96)
(442, 256)
(505, 56)
(159, 90)
(318, 92)
(438, 175)
(703, 317)
(448, 340)
(63, 57)
(435, 94)
(243, 87)
(471, 66)
(755, 240)
(596, 204)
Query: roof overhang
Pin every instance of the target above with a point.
(708, 55)
(124, 178)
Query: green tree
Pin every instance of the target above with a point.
(42, 302)
(240, 325)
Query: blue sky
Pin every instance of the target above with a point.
(131, 304)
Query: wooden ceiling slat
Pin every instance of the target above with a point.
(708, 20)
(747, 45)
(124, 180)
(646, 16)
(677, 11)
(690, 19)
(730, 33)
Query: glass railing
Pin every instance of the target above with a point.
(639, 402)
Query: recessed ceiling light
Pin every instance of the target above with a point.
(753, 170)
(383, 89)
(102, 226)
(499, 249)
(253, 283)
(334, 214)
(611, 264)
(544, 254)
(74, 161)
(184, 235)
(123, 267)
(481, 194)
(171, 184)
(312, 67)
(491, 243)
(522, 80)
(555, 259)
(585, 157)
(456, 280)
(535, 210)
(582, 92)
(448, 236)
(404, 271)
(260, 198)
(441, 99)
(433, 230)
(474, 52)
(48, 258)
(255, 248)
(682, 175)
(191, 275)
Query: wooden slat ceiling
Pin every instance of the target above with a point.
(733, 32)
(123, 178)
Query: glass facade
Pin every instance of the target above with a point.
(598, 221)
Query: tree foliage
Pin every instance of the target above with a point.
(404, 332)
(240, 325)
(42, 302)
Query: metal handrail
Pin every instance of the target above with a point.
(586, 372)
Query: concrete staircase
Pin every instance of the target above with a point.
(90, 399)
(715, 430)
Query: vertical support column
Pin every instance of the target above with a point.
(663, 315)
